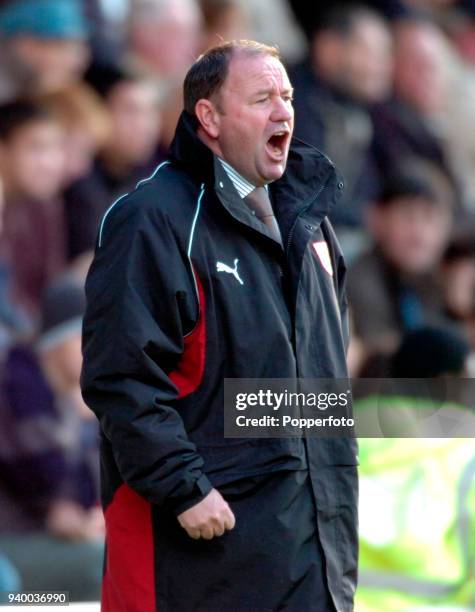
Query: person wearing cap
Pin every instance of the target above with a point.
(44, 46)
(51, 527)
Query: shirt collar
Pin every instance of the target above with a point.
(242, 185)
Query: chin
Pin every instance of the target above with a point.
(275, 173)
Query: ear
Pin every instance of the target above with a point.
(208, 117)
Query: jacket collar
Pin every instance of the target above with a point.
(307, 173)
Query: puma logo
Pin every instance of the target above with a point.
(222, 267)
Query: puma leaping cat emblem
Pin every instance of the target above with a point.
(222, 267)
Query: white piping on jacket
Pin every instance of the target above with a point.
(124, 195)
(190, 246)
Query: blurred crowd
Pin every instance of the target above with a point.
(90, 92)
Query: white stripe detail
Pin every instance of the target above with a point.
(164, 163)
(195, 219)
(190, 246)
(106, 213)
(126, 194)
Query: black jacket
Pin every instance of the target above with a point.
(163, 328)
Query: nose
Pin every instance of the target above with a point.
(283, 110)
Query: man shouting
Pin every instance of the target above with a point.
(221, 264)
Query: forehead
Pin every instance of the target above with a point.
(36, 128)
(248, 73)
(373, 28)
(133, 89)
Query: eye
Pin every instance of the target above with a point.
(262, 99)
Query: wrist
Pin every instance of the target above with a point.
(200, 490)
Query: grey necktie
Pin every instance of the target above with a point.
(258, 201)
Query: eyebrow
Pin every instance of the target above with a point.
(289, 90)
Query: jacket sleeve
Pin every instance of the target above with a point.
(141, 302)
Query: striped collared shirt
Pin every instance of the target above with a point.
(242, 185)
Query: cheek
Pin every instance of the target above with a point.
(397, 231)
(23, 165)
(234, 135)
(146, 123)
(250, 126)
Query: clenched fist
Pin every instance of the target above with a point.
(209, 518)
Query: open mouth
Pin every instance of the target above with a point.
(277, 144)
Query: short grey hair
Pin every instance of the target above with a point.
(208, 73)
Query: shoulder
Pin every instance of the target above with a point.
(167, 198)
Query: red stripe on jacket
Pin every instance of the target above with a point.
(129, 584)
(189, 372)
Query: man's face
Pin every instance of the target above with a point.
(255, 118)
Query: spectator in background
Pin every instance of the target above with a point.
(415, 124)
(51, 527)
(392, 288)
(43, 46)
(87, 124)
(349, 68)
(164, 38)
(129, 154)
(32, 167)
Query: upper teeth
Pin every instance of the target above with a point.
(279, 133)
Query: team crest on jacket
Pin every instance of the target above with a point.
(321, 249)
